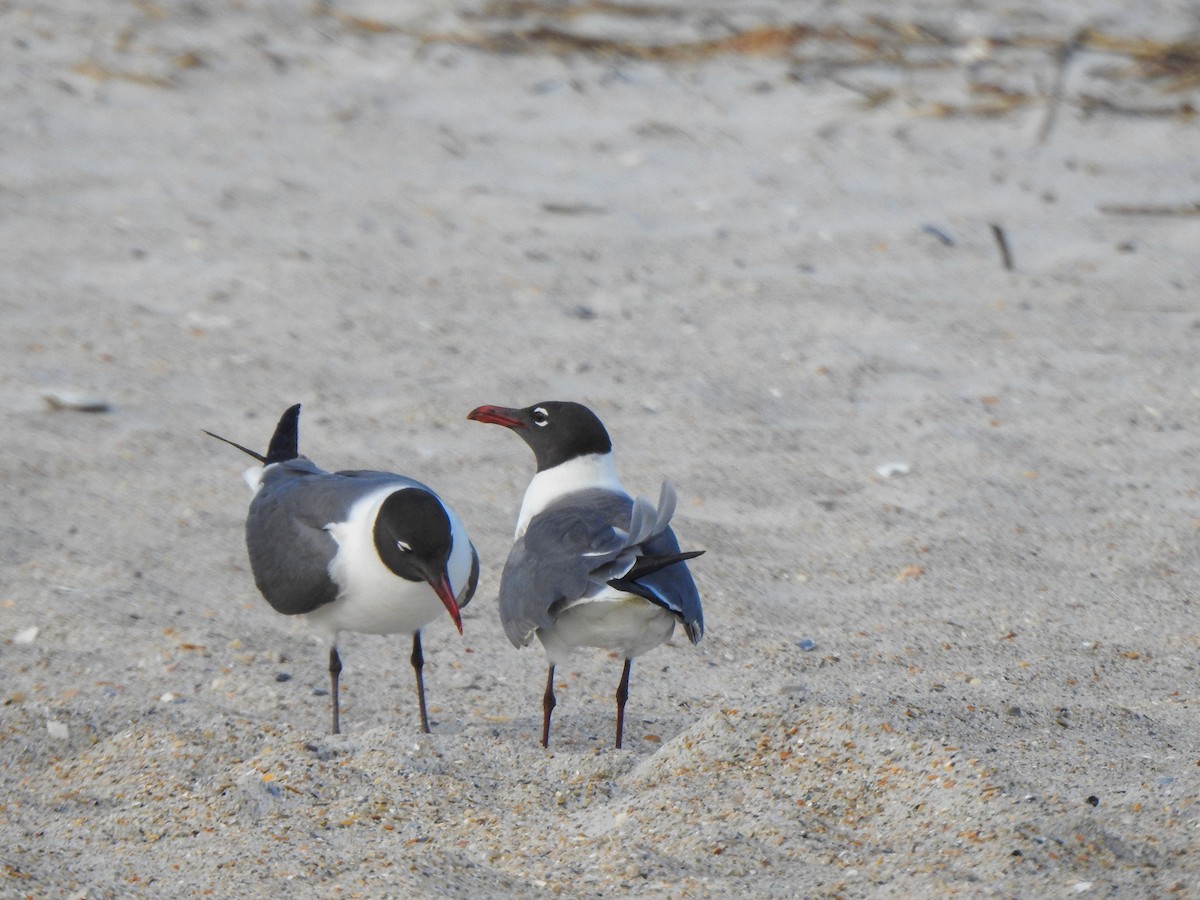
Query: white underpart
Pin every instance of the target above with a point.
(613, 620)
(596, 470)
(373, 599)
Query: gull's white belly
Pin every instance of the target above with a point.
(403, 608)
(613, 620)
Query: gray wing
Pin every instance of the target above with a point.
(468, 591)
(554, 559)
(579, 545)
(289, 548)
(355, 481)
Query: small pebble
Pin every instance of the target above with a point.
(942, 237)
(58, 730)
(26, 636)
(892, 469)
(806, 644)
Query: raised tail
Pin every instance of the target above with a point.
(285, 442)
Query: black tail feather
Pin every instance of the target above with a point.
(648, 565)
(285, 443)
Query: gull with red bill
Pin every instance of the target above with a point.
(364, 551)
(590, 566)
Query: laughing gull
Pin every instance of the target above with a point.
(591, 566)
(363, 551)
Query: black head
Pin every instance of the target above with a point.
(413, 538)
(556, 431)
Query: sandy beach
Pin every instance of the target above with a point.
(902, 298)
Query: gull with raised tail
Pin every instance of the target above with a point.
(365, 551)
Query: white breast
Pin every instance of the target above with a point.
(597, 470)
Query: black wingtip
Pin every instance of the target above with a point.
(648, 565)
(285, 442)
(246, 450)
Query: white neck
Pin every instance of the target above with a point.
(596, 470)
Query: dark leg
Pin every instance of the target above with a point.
(335, 669)
(548, 703)
(418, 663)
(622, 696)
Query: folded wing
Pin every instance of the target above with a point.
(591, 542)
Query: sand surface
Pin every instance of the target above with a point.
(950, 508)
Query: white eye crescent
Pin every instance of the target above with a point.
(541, 418)
(404, 547)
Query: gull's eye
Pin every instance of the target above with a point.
(404, 547)
(541, 418)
